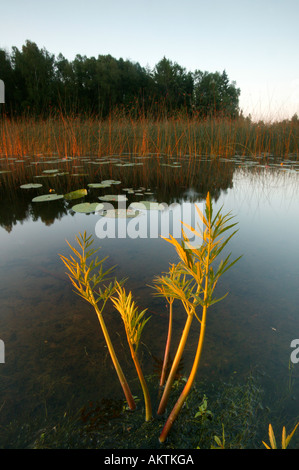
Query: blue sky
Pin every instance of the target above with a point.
(255, 41)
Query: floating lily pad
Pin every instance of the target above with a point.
(122, 213)
(50, 171)
(111, 182)
(147, 205)
(99, 185)
(170, 165)
(124, 164)
(75, 194)
(87, 207)
(51, 175)
(47, 197)
(31, 186)
(113, 197)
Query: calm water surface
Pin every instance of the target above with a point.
(55, 354)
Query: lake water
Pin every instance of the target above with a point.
(55, 354)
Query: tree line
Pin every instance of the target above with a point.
(37, 82)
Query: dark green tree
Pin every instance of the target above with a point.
(174, 85)
(34, 77)
(215, 95)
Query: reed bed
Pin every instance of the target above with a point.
(119, 134)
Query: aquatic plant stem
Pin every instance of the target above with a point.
(176, 409)
(175, 365)
(167, 347)
(80, 277)
(134, 323)
(147, 399)
(208, 238)
(120, 374)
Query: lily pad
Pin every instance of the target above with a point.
(31, 186)
(111, 182)
(51, 171)
(47, 197)
(122, 213)
(147, 205)
(113, 197)
(76, 194)
(46, 176)
(87, 207)
(99, 185)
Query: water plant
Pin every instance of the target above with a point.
(134, 323)
(89, 286)
(285, 440)
(197, 266)
(160, 284)
(192, 281)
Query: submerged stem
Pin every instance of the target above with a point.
(80, 276)
(175, 365)
(119, 371)
(167, 347)
(175, 411)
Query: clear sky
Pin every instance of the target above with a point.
(255, 41)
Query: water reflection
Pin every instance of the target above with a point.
(55, 356)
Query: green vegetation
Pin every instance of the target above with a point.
(36, 80)
(88, 285)
(119, 134)
(224, 409)
(193, 284)
(192, 281)
(285, 440)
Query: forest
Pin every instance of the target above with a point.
(37, 83)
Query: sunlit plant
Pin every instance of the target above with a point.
(88, 281)
(134, 323)
(200, 277)
(285, 440)
(191, 281)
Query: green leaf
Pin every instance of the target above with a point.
(75, 194)
(87, 207)
(47, 198)
(31, 186)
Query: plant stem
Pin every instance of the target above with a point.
(121, 376)
(147, 399)
(175, 365)
(167, 347)
(175, 411)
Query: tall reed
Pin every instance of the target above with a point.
(121, 133)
